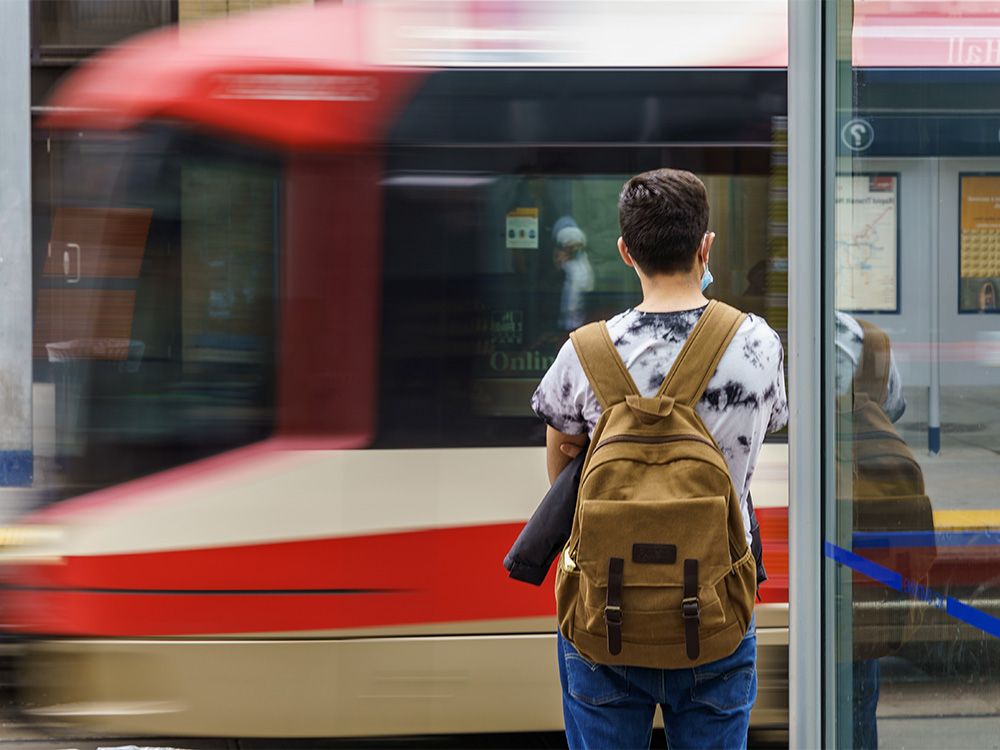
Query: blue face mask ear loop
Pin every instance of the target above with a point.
(707, 277)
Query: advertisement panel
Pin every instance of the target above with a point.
(979, 243)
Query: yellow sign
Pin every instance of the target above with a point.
(980, 242)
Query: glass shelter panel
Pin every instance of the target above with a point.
(912, 258)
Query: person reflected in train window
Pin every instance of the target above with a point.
(538, 280)
(663, 217)
(757, 279)
(578, 276)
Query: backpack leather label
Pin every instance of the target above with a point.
(654, 554)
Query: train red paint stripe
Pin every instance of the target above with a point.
(379, 580)
(397, 560)
(430, 576)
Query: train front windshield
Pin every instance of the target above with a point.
(155, 303)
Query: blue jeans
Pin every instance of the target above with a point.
(704, 707)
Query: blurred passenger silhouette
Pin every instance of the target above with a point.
(578, 275)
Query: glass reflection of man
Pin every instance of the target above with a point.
(849, 344)
(888, 496)
(578, 276)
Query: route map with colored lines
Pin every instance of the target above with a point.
(866, 236)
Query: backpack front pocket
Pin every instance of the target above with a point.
(654, 542)
(695, 527)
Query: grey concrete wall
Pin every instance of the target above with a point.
(15, 245)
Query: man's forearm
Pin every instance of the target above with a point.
(560, 449)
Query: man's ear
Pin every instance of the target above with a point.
(706, 246)
(623, 251)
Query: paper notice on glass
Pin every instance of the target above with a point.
(522, 229)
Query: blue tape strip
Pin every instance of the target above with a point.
(974, 617)
(890, 578)
(876, 572)
(16, 468)
(893, 539)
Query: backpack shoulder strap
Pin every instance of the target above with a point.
(602, 364)
(702, 352)
(872, 376)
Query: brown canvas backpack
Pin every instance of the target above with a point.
(884, 485)
(657, 571)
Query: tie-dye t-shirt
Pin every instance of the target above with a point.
(744, 400)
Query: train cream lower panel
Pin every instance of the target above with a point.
(328, 688)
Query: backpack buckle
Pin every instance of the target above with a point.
(690, 610)
(613, 615)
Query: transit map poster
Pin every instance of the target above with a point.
(867, 242)
(979, 244)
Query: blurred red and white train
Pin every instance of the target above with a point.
(295, 290)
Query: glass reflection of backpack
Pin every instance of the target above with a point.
(886, 486)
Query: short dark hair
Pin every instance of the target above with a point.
(663, 215)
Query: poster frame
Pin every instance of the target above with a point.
(958, 254)
(895, 310)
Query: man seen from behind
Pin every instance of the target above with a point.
(738, 398)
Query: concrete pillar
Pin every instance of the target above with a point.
(15, 245)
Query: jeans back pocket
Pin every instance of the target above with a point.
(596, 684)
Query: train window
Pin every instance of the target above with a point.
(155, 303)
(479, 295)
